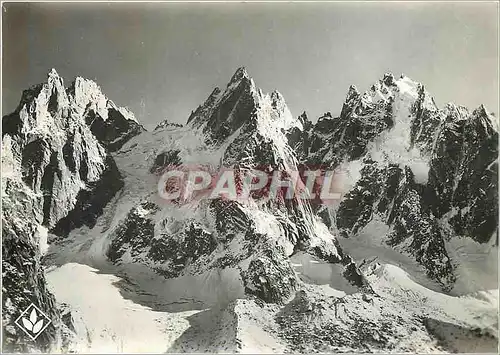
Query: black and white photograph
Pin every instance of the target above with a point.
(250, 177)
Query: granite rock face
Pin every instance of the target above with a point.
(57, 175)
(238, 128)
(430, 174)
(413, 178)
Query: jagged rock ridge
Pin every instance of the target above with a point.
(240, 128)
(57, 175)
(251, 256)
(429, 174)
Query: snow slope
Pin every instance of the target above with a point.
(251, 289)
(114, 324)
(223, 276)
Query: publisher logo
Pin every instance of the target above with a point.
(33, 321)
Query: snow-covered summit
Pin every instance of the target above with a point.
(404, 156)
(242, 105)
(240, 74)
(236, 276)
(59, 175)
(240, 127)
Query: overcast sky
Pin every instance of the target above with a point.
(163, 59)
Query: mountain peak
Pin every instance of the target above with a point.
(353, 92)
(402, 186)
(223, 112)
(87, 94)
(52, 73)
(55, 80)
(388, 79)
(482, 114)
(276, 96)
(483, 110)
(240, 74)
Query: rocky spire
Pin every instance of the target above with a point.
(388, 79)
(224, 112)
(240, 74)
